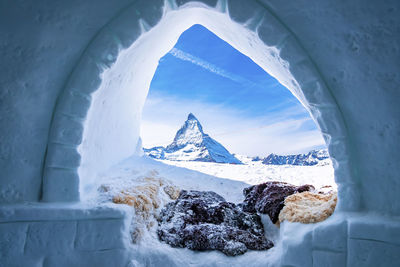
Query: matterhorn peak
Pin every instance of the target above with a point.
(191, 143)
(192, 124)
(191, 117)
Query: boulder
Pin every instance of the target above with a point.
(268, 198)
(146, 197)
(205, 221)
(308, 207)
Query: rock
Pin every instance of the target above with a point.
(205, 221)
(146, 198)
(172, 191)
(268, 198)
(326, 189)
(308, 207)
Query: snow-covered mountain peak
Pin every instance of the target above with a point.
(191, 117)
(192, 144)
(190, 133)
(313, 157)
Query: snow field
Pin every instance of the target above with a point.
(149, 251)
(254, 172)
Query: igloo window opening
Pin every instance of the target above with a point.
(72, 133)
(242, 109)
(111, 146)
(223, 95)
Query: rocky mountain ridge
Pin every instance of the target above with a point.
(309, 159)
(192, 144)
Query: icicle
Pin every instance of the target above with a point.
(144, 26)
(255, 21)
(169, 5)
(222, 6)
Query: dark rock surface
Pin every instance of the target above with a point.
(204, 221)
(268, 198)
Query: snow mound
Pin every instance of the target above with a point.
(192, 144)
(308, 207)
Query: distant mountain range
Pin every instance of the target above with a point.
(311, 158)
(192, 144)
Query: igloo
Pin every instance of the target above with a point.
(76, 75)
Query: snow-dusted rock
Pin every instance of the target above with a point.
(311, 158)
(192, 144)
(203, 220)
(268, 198)
(146, 197)
(308, 207)
(172, 191)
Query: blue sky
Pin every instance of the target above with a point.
(238, 103)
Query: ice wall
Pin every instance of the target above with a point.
(339, 39)
(37, 33)
(355, 45)
(40, 43)
(339, 58)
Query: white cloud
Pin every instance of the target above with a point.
(274, 133)
(206, 65)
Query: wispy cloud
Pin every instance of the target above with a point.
(206, 65)
(275, 132)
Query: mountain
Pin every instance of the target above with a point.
(192, 144)
(311, 158)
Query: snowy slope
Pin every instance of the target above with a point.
(124, 174)
(255, 172)
(192, 144)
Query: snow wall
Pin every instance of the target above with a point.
(75, 76)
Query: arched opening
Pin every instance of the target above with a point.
(102, 69)
(307, 86)
(263, 129)
(108, 88)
